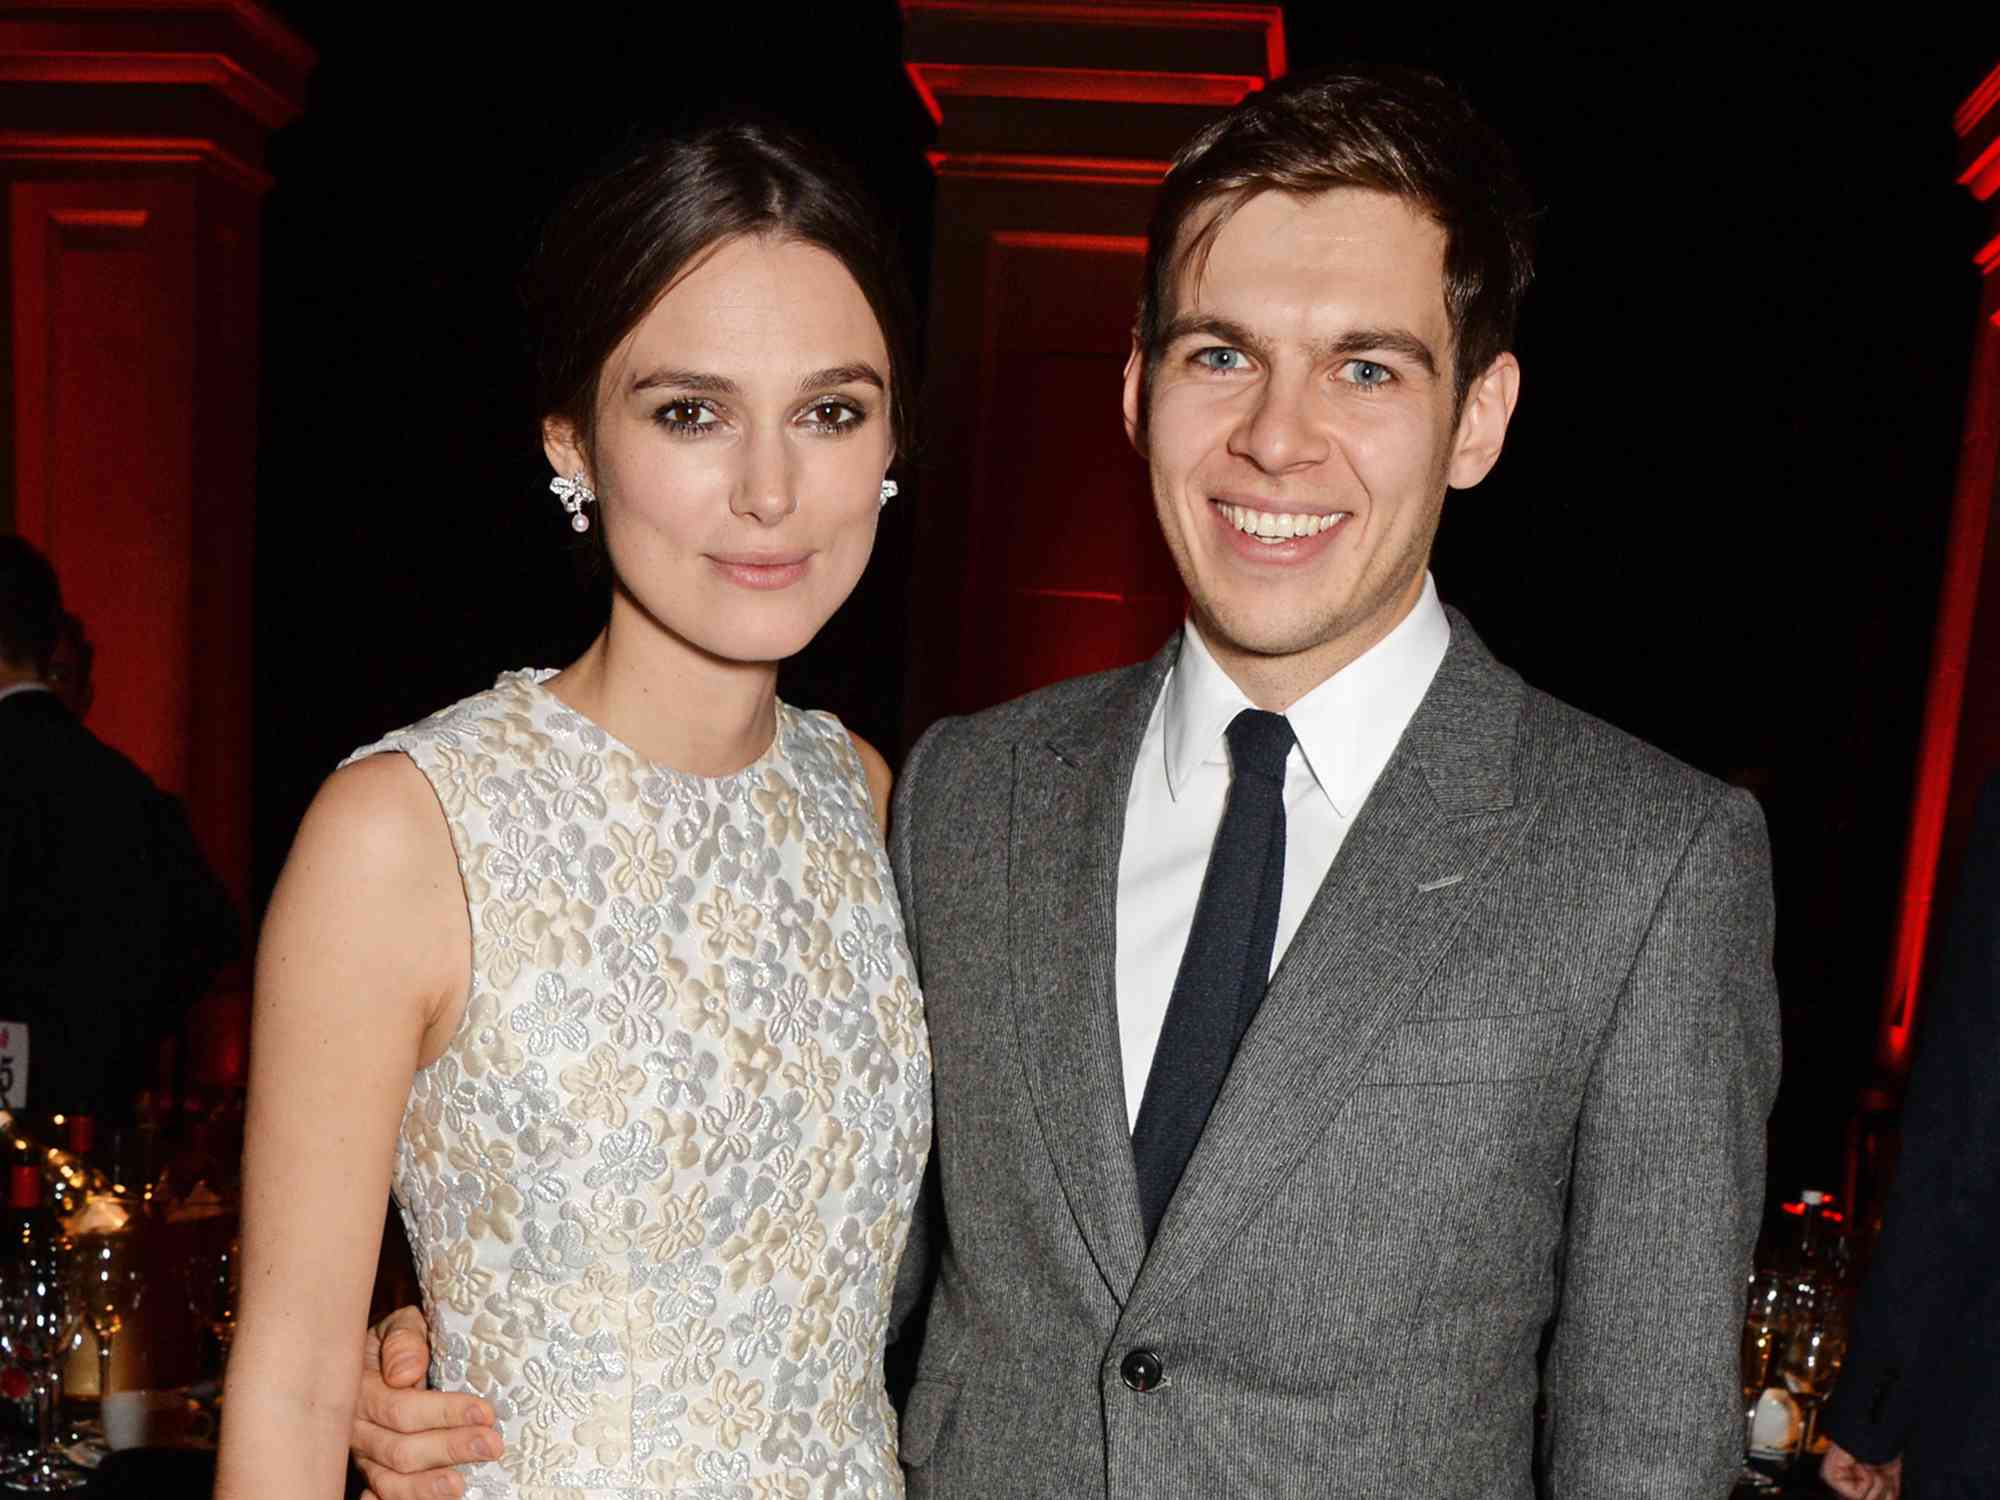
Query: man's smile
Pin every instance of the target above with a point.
(1278, 525)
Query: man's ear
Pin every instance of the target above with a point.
(563, 448)
(1135, 398)
(1482, 423)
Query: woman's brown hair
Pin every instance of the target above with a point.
(623, 237)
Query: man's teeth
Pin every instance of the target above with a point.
(1272, 526)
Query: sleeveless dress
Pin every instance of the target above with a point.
(657, 1185)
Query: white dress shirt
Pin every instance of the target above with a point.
(1347, 727)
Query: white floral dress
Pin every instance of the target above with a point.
(658, 1184)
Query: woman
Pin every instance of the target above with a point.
(602, 969)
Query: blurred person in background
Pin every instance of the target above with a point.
(111, 922)
(1917, 1409)
(69, 670)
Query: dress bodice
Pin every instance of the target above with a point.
(657, 1185)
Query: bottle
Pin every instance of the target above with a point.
(1811, 1251)
(32, 1230)
(1813, 1227)
(27, 1222)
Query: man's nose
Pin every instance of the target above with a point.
(1278, 432)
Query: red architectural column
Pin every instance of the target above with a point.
(1960, 739)
(131, 150)
(1036, 555)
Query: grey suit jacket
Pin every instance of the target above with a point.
(1509, 1080)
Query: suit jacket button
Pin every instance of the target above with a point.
(1141, 1370)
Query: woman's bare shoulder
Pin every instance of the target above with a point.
(880, 778)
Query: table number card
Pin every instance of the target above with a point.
(13, 1064)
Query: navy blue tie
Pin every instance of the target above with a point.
(1225, 965)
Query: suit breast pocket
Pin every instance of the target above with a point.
(1469, 1049)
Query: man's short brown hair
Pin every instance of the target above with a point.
(1395, 130)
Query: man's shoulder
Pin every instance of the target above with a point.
(42, 741)
(1602, 788)
(1037, 717)
(1481, 713)
(1568, 745)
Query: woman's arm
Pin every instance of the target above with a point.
(363, 967)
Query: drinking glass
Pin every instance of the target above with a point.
(1763, 1330)
(112, 1290)
(41, 1319)
(1810, 1352)
(214, 1280)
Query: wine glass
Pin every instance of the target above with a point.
(112, 1289)
(214, 1280)
(41, 1320)
(1763, 1329)
(1810, 1353)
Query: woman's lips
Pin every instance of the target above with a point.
(754, 571)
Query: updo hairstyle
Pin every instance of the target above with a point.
(623, 237)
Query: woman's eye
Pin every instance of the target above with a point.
(832, 415)
(687, 416)
(1221, 359)
(1367, 372)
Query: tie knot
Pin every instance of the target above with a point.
(1259, 743)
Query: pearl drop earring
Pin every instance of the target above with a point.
(575, 493)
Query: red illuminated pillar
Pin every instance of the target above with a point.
(1036, 555)
(131, 148)
(1960, 738)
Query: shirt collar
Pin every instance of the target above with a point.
(25, 687)
(1347, 727)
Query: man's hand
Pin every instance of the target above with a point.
(406, 1438)
(1852, 1479)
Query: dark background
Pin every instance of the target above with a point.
(1719, 521)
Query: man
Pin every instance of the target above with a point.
(1493, 1131)
(111, 923)
(1921, 1385)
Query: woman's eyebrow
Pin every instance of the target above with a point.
(687, 380)
(858, 373)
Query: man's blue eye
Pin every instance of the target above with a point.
(1367, 372)
(1221, 359)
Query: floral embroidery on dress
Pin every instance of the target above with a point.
(657, 1186)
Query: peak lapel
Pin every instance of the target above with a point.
(1431, 835)
(1068, 826)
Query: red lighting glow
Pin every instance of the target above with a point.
(225, 75)
(1983, 176)
(1270, 19)
(1944, 700)
(1104, 171)
(1958, 609)
(1099, 596)
(138, 150)
(1977, 104)
(1103, 85)
(1074, 244)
